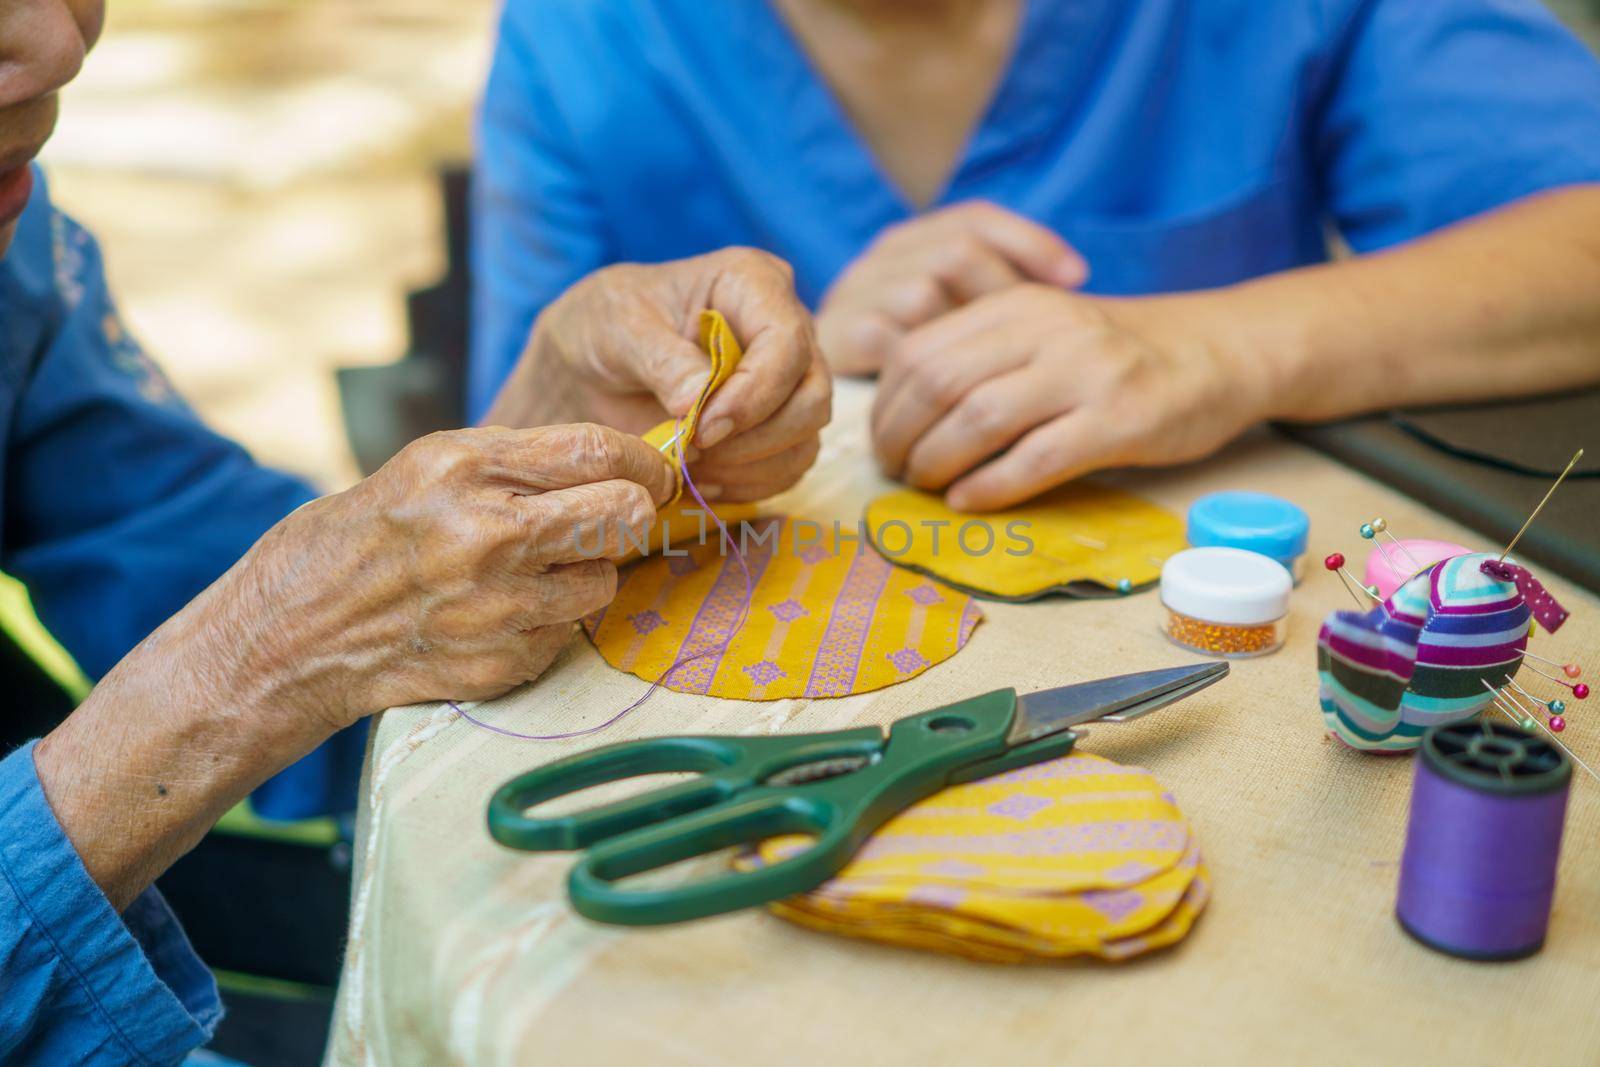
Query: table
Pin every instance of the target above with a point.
(461, 951)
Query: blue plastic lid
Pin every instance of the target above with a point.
(1257, 522)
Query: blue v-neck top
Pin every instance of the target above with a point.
(1178, 144)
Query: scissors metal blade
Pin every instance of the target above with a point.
(1118, 699)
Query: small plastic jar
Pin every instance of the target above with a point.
(1225, 602)
(1255, 522)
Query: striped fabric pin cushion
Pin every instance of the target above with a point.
(1426, 655)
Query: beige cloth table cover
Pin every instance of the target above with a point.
(461, 951)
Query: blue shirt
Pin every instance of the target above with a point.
(1178, 144)
(117, 506)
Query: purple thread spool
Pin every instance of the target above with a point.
(1479, 869)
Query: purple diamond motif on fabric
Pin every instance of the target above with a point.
(1019, 807)
(788, 611)
(925, 595)
(907, 660)
(764, 673)
(815, 554)
(1131, 872)
(681, 565)
(938, 896)
(646, 621)
(1115, 904)
(953, 868)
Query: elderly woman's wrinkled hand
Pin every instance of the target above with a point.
(618, 348)
(454, 572)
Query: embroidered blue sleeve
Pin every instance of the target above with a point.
(119, 504)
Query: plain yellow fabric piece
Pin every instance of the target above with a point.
(827, 619)
(680, 518)
(718, 342)
(1080, 533)
(1067, 857)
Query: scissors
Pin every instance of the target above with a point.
(836, 787)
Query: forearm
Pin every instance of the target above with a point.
(174, 736)
(448, 574)
(1502, 305)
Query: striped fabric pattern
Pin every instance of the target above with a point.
(827, 616)
(1422, 657)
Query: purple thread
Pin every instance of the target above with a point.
(1479, 868)
(744, 613)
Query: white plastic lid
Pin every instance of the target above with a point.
(1227, 585)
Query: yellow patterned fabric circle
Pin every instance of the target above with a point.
(828, 617)
(1082, 539)
(1068, 857)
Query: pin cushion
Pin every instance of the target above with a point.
(1225, 601)
(1255, 522)
(1391, 566)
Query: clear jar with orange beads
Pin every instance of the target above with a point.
(1225, 601)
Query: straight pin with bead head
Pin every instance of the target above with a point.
(1380, 525)
(1335, 563)
(1523, 717)
(1530, 725)
(1571, 670)
(1539, 725)
(1516, 717)
(1552, 707)
(1123, 586)
(1580, 690)
(1369, 532)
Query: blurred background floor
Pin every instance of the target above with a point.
(261, 174)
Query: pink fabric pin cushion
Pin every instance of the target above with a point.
(1388, 567)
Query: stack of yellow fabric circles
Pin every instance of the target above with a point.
(1073, 856)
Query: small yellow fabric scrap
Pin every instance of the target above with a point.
(673, 436)
(1081, 539)
(679, 519)
(1074, 856)
(827, 617)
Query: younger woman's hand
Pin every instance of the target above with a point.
(929, 266)
(1026, 389)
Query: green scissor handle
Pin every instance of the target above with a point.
(735, 802)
